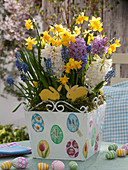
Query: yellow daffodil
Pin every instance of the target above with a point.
(30, 42)
(90, 36)
(117, 44)
(81, 18)
(28, 24)
(58, 28)
(72, 64)
(46, 36)
(77, 30)
(63, 80)
(52, 41)
(112, 48)
(95, 24)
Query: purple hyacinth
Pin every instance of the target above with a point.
(98, 44)
(77, 49)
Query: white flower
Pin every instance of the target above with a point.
(54, 53)
(96, 72)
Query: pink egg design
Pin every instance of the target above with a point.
(72, 148)
(57, 165)
(90, 125)
(20, 163)
(125, 146)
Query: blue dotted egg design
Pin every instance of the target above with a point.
(72, 123)
(37, 123)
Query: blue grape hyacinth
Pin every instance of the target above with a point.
(10, 81)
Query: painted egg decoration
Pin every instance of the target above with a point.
(37, 123)
(57, 165)
(56, 134)
(90, 125)
(6, 165)
(43, 149)
(42, 166)
(111, 154)
(85, 148)
(72, 123)
(73, 165)
(121, 152)
(93, 136)
(72, 148)
(125, 146)
(20, 163)
(113, 146)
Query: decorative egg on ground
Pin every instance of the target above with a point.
(72, 148)
(111, 154)
(19, 163)
(113, 147)
(57, 165)
(42, 166)
(6, 165)
(121, 152)
(85, 148)
(73, 165)
(37, 123)
(72, 123)
(56, 134)
(125, 146)
(43, 148)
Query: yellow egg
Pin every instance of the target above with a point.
(121, 152)
(42, 166)
(6, 165)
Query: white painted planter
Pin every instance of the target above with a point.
(65, 135)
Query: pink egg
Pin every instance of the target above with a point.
(20, 163)
(57, 165)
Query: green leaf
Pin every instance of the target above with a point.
(19, 106)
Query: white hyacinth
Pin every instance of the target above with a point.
(54, 53)
(97, 71)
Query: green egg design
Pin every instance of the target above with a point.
(56, 134)
(93, 136)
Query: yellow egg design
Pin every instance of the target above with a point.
(42, 166)
(6, 165)
(121, 152)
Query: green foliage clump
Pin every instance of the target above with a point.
(10, 134)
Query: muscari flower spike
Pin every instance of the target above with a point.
(25, 67)
(48, 65)
(10, 81)
(19, 65)
(23, 77)
(89, 48)
(84, 61)
(64, 54)
(17, 55)
(109, 75)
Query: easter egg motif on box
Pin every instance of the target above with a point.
(90, 125)
(6, 165)
(57, 165)
(111, 154)
(42, 166)
(72, 148)
(121, 152)
(37, 123)
(101, 125)
(93, 137)
(85, 148)
(73, 123)
(43, 149)
(19, 163)
(56, 134)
